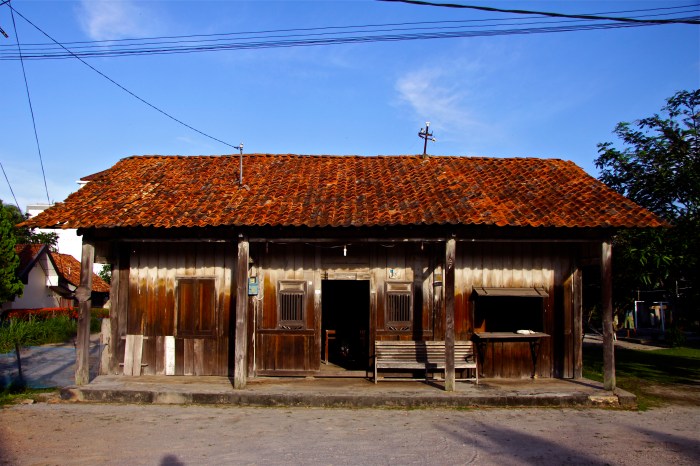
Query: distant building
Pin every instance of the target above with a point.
(50, 280)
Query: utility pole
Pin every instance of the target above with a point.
(426, 135)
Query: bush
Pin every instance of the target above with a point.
(675, 336)
(42, 313)
(33, 331)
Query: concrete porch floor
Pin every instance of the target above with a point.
(347, 392)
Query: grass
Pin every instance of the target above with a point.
(639, 371)
(35, 331)
(14, 393)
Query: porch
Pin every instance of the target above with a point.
(347, 392)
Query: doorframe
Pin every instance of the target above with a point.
(371, 309)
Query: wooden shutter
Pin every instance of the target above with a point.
(196, 307)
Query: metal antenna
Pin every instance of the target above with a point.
(240, 170)
(426, 135)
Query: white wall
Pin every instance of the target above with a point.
(36, 294)
(68, 240)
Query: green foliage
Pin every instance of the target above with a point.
(11, 235)
(10, 284)
(105, 273)
(17, 333)
(638, 371)
(659, 168)
(15, 392)
(20, 333)
(25, 235)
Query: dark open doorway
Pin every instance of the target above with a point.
(345, 323)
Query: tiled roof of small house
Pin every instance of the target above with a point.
(69, 267)
(27, 254)
(342, 191)
(66, 265)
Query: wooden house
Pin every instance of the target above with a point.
(250, 266)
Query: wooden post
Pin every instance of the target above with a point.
(450, 250)
(240, 355)
(578, 323)
(82, 344)
(607, 308)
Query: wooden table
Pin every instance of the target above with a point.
(534, 339)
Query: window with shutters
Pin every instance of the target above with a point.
(196, 307)
(399, 306)
(291, 299)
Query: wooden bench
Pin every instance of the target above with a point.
(424, 355)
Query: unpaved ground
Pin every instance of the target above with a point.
(84, 434)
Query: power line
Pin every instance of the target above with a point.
(544, 13)
(120, 86)
(266, 44)
(10, 186)
(329, 35)
(31, 108)
(694, 7)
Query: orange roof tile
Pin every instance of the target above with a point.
(66, 265)
(69, 267)
(321, 191)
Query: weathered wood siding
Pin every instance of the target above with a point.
(497, 264)
(146, 292)
(520, 264)
(148, 295)
(284, 351)
(280, 350)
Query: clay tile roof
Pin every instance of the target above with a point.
(27, 254)
(66, 265)
(321, 191)
(69, 267)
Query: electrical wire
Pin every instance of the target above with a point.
(10, 186)
(500, 21)
(331, 35)
(318, 42)
(163, 112)
(543, 13)
(31, 108)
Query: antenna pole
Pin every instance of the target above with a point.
(240, 168)
(426, 135)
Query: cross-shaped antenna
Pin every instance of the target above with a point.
(426, 135)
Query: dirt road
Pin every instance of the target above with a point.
(81, 434)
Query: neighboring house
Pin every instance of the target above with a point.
(224, 277)
(50, 280)
(68, 241)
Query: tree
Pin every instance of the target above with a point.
(658, 167)
(105, 273)
(10, 284)
(26, 235)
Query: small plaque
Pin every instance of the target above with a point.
(253, 286)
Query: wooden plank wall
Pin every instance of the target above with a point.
(500, 264)
(292, 352)
(298, 352)
(151, 311)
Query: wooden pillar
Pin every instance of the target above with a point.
(450, 253)
(240, 352)
(607, 308)
(82, 344)
(578, 323)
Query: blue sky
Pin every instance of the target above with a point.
(537, 95)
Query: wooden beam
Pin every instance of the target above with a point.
(450, 254)
(578, 323)
(82, 344)
(240, 352)
(607, 308)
